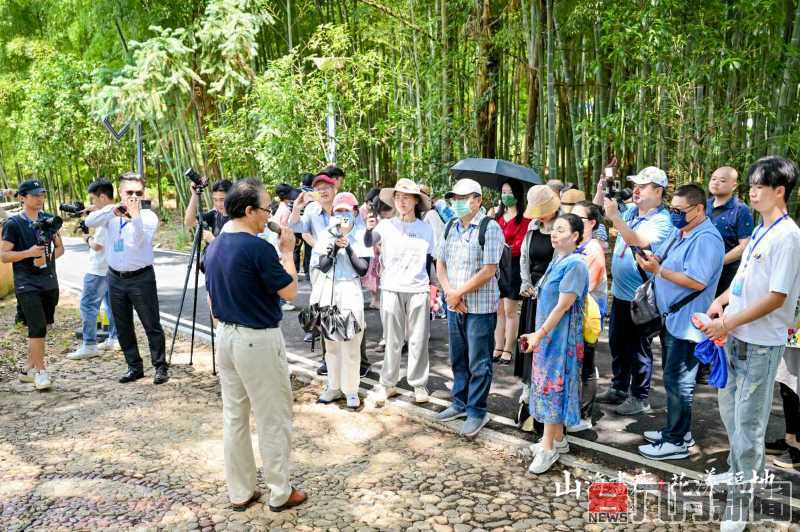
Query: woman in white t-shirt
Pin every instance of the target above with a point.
(406, 258)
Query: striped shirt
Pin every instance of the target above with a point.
(463, 257)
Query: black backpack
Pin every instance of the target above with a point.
(504, 274)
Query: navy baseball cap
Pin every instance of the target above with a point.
(31, 186)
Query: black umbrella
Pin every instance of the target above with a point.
(493, 172)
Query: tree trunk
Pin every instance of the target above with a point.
(486, 93)
(552, 154)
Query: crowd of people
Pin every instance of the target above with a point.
(521, 282)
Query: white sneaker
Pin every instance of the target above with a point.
(84, 351)
(421, 394)
(654, 436)
(108, 344)
(732, 526)
(380, 394)
(561, 446)
(329, 396)
(287, 307)
(353, 401)
(664, 450)
(583, 424)
(28, 376)
(543, 461)
(42, 380)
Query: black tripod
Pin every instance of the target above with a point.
(194, 260)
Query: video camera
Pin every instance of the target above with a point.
(46, 228)
(199, 181)
(74, 209)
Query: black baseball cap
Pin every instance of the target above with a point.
(31, 186)
(285, 191)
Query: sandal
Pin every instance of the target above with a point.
(505, 361)
(497, 358)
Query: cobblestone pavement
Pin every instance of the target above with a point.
(93, 454)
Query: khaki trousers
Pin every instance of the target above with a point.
(254, 375)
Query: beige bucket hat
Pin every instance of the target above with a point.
(542, 201)
(405, 186)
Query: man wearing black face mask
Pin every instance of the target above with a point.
(687, 271)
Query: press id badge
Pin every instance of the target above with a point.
(119, 245)
(738, 284)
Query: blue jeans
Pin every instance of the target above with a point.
(745, 403)
(471, 343)
(95, 291)
(680, 372)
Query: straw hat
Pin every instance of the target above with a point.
(542, 201)
(570, 197)
(405, 186)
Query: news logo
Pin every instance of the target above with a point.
(608, 503)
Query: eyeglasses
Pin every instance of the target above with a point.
(138, 193)
(263, 209)
(675, 210)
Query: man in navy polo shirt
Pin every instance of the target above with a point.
(246, 281)
(731, 217)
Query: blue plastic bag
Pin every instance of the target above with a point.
(708, 352)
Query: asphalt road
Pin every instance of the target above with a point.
(615, 433)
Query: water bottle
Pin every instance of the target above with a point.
(444, 210)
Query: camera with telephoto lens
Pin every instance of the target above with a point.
(199, 181)
(46, 228)
(74, 209)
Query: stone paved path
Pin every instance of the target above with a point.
(93, 454)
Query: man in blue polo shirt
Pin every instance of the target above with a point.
(731, 217)
(687, 268)
(645, 225)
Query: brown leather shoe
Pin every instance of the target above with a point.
(242, 506)
(296, 498)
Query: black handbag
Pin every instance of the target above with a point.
(335, 325)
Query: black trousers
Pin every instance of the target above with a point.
(588, 381)
(791, 410)
(137, 293)
(631, 354)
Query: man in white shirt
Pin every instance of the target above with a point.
(95, 285)
(131, 278)
(761, 302)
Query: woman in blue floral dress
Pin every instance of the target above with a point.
(557, 343)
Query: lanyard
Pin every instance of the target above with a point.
(752, 248)
(122, 225)
(580, 248)
(469, 230)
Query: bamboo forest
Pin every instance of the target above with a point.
(239, 88)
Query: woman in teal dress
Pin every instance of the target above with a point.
(557, 343)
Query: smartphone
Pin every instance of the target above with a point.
(274, 227)
(609, 172)
(639, 251)
(312, 196)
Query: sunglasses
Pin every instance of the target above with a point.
(138, 193)
(675, 210)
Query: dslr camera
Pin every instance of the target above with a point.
(46, 228)
(199, 181)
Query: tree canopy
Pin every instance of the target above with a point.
(242, 88)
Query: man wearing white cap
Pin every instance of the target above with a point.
(467, 259)
(646, 225)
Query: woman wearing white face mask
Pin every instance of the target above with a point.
(340, 286)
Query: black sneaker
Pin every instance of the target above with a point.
(322, 369)
(777, 447)
(789, 459)
(364, 370)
